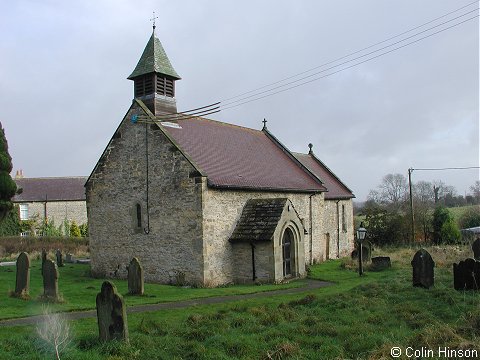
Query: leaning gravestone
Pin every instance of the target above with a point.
(476, 249)
(466, 275)
(423, 273)
(22, 282)
(135, 277)
(111, 314)
(59, 256)
(50, 280)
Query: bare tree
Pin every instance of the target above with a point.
(475, 189)
(54, 331)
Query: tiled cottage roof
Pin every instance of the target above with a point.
(336, 189)
(51, 189)
(240, 158)
(154, 59)
(259, 219)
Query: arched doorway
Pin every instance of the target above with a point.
(288, 253)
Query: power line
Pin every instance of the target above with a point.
(351, 66)
(352, 53)
(345, 62)
(447, 168)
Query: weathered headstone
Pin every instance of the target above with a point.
(381, 262)
(466, 275)
(476, 249)
(135, 277)
(44, 258)
(111, 314)
(59, 256)
(423, 273)
(69, 258)
(366, 253)
(22, 283)
(50, 280)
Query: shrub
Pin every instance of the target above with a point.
(445, 230)
(470, 218)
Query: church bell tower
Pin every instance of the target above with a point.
(154, 79)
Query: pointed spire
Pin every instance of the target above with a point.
(154, 59)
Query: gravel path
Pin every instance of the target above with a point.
(310, 285)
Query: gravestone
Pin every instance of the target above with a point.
(476, 249)
(381, 262)
(59, 256)
(366, 253)
(22, 282)
(111, 314)
(50, 280)
(466, 275)
(44, 258)
(135, 277)
(69, 258)
(423, 273)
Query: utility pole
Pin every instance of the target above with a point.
(411, 203)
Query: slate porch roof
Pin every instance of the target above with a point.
(236, 157)
(336, 188)
(259, 220)
(51, 188)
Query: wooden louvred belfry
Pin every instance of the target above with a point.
(154, 78)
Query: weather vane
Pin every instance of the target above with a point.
(153, 19)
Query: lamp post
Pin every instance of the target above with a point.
(361, 233)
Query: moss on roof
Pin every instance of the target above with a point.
(154, 59)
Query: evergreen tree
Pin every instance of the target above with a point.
(74, 229)
(8, 187)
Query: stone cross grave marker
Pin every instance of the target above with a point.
(135, 277)
(22, 283)
(59, 256)
(476, 249)
(111, 314)
(466, 275)
(50, 280)
(423, 273)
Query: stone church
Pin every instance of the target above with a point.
(204, 202)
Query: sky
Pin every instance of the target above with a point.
(64, 64)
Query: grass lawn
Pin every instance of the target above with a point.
(358, 317)
(79, 291)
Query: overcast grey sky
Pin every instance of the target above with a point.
(63, 86)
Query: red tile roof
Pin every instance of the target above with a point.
(52, 189)
(336, 189)
(241, 158)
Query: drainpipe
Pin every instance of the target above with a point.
(254, 275)
(311, 230)
(338, 229)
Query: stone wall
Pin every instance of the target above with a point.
(222, 210)
(172, 249)
(264, 263)
(333, 222)
(59, 211)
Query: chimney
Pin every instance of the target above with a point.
(19, 174)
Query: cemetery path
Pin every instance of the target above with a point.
(76, 315)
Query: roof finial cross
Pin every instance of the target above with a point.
(264, 123)
(153, 19)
